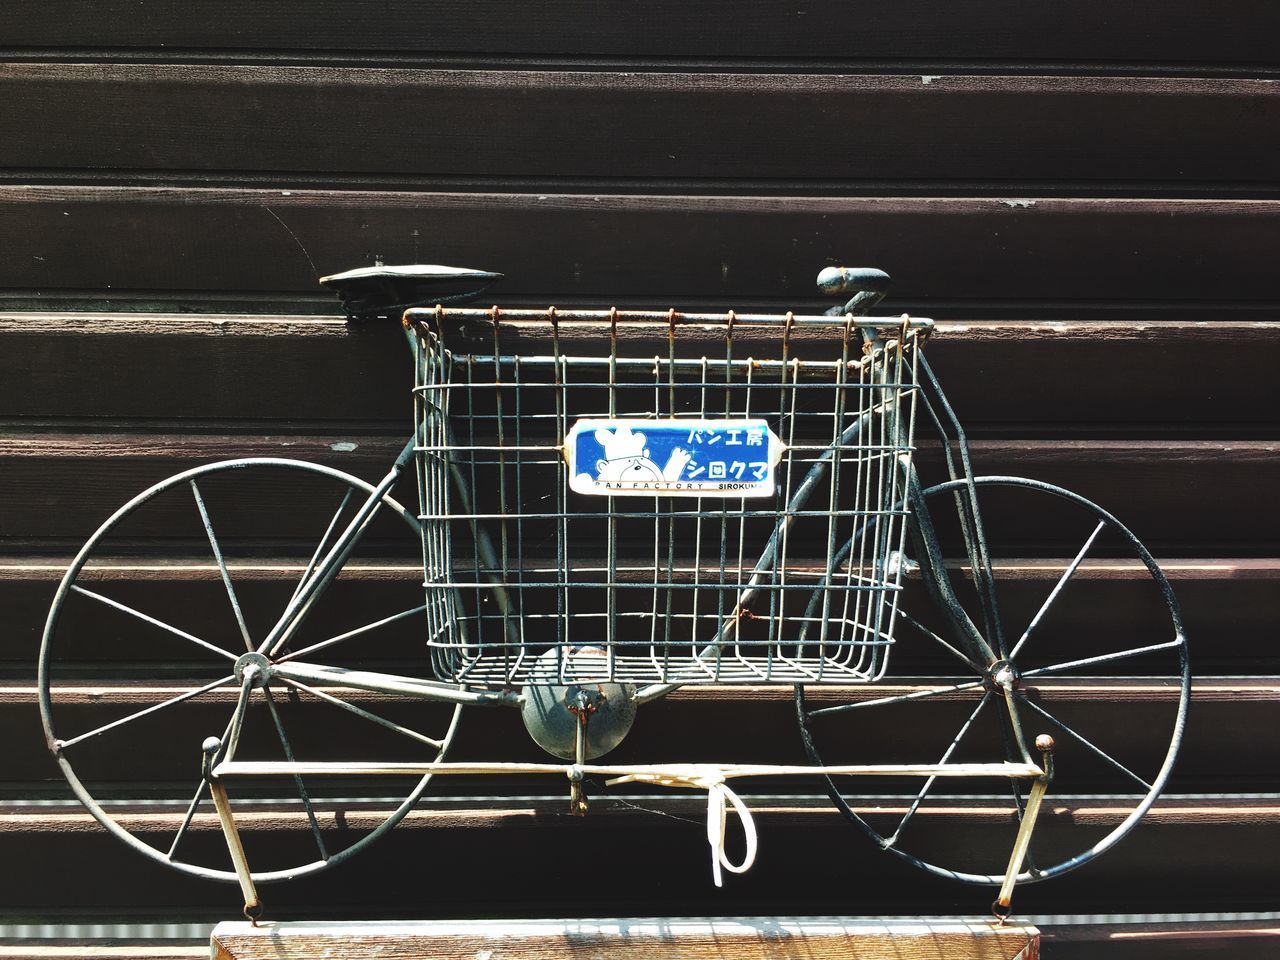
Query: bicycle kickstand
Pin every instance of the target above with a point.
(252, 903)
(1001, 907)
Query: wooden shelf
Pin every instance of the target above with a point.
(663, 939)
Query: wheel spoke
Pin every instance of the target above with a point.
(1015, 726)
(222, 564)
(297, 779)
(903, 698)
(421, 608)
(928, 784)
(1102, 658)
(1088, 744)
(147, 711)
(299, 607)
(1058, 588)
(231, 739)
(204, 784)
(368, 715)
(324, 540)
(186, 820)
(902, 614)
(125, 608)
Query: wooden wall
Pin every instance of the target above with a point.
(1087, 196)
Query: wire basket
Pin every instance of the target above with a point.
(662, 497)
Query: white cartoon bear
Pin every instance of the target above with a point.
(627, 459)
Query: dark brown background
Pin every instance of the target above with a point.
(1085, 194)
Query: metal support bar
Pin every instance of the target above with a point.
(1022, 842)
(704, 776)
(390, 683)
(268, 768)
(252, 904)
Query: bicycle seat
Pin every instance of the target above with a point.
(368, 293)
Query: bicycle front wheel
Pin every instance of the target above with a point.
(145, 652)
(1085, 623)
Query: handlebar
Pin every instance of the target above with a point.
(867, 284)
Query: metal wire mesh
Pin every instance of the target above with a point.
(528, 580)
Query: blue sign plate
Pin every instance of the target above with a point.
(672, 458)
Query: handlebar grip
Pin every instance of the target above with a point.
(845, 280)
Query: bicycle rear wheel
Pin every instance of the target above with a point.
(1114, 697)
(146, 645)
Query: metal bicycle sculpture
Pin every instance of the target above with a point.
(613, 505)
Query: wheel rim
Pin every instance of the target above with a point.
(208, 490)
(1048, 678)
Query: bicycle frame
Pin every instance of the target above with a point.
(322, 570)
(563, 575)
(220, 765)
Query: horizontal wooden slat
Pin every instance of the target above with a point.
(611, 246)
(815, 811)
(1229, 732)
(1094, 31)
(1222, 572)
(1228, 608)
(145, 950)
(1224, 710)
(1108, 690)
(648, 125)
(1102, 690)
(802, 869)
(62, 485)
(526, 811)
(1149, 938)
(1044, 375)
